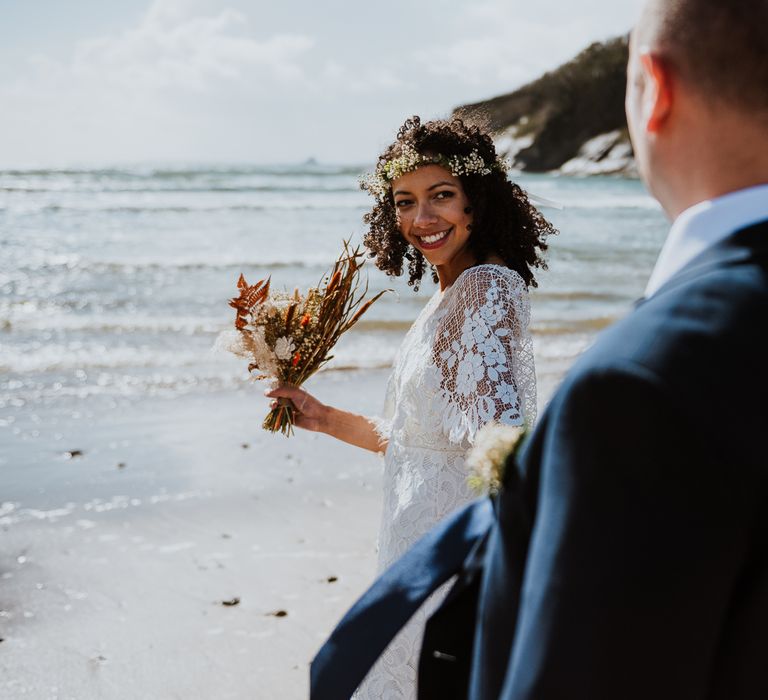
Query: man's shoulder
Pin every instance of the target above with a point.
(699, 345)
(716, 311)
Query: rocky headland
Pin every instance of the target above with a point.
(571, 120)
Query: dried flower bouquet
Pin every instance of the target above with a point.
(288, 338)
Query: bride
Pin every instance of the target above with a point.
(443, 202)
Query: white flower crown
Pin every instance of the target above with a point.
(379, 182)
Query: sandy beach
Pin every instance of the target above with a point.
(185, 553)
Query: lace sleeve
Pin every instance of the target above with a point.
(383, 424)
(484, 354)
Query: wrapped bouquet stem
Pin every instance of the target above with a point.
(289, 337)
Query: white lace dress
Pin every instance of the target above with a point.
(467, 360)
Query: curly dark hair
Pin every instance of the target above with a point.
(504, 222)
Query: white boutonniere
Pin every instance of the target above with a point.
(494, 444)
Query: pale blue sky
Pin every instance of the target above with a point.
(93, 82)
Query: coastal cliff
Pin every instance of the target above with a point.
(571, 120)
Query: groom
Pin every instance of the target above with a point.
(627, 555)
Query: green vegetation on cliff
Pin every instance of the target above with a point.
(548, 121)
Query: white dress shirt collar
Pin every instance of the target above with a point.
(705, 224)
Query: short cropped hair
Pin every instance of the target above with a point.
(719, 46)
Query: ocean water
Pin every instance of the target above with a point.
(115, 282)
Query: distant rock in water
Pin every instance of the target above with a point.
(570, 120)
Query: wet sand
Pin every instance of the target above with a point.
(184, 553)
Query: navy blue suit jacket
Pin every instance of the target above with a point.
(629, 554)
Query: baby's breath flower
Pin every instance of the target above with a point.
(378, 183)
(493, 445)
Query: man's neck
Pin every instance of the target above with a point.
(715, 191)
(716, 157)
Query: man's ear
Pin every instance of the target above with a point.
(657, 95)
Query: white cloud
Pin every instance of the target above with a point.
(342, 79)
(168, 50)
(598, 17)
(157, 85)
(501, 60)
(500, 44)
(205, 80)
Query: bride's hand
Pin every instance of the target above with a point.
(310, 413)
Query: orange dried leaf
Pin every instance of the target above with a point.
(334, 282)
(250, 295)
